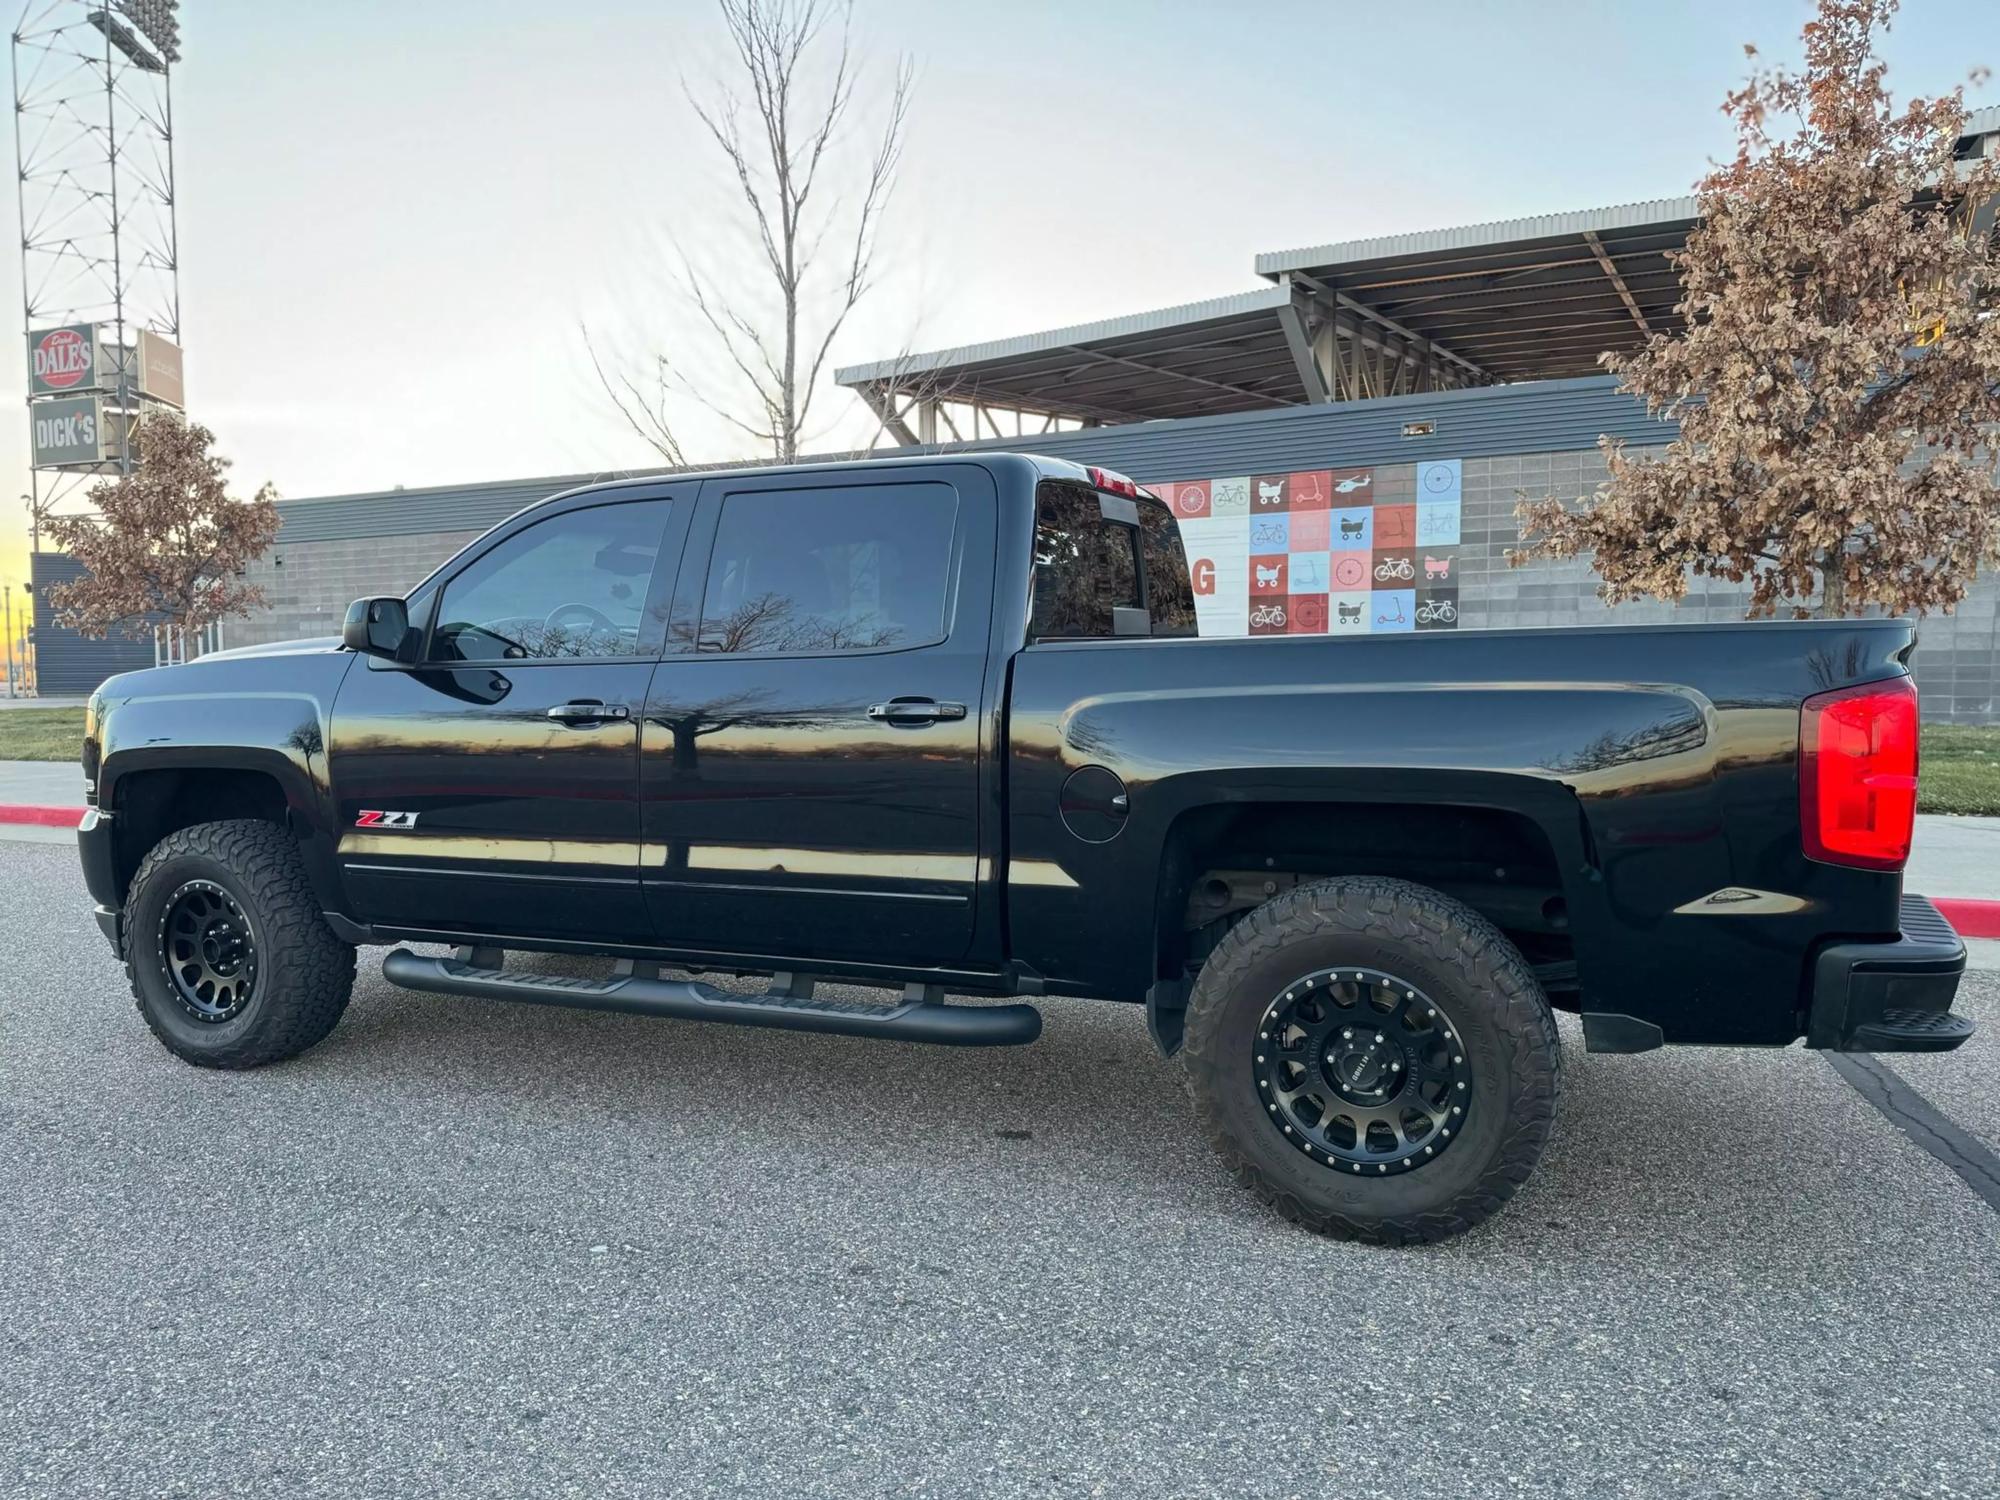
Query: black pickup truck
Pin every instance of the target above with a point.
(944, 725)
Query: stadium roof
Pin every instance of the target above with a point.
(1519, 299)
(1523, 299)
(1226, 354)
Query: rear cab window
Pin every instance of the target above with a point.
(1091, 563)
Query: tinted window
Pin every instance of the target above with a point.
(1085, 566)
(1169, 592)
(856, 569)
(575, 585)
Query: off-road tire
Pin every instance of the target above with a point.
(1464, 963)
(304, 973)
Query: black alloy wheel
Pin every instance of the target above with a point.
(1362, 1071)
(208, 951)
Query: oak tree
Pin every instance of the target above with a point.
(166, 542)
(1837, 384)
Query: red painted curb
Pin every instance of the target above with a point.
(1980, 919)
(46, 817)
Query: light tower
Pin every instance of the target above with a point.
(100, 277)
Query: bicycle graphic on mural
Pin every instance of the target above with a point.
(1437, 612)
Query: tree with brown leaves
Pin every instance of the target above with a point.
(1838, 382)
(166, 541)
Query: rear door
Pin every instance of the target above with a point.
(492, 787)
(810, 761)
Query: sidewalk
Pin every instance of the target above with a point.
(43, 783)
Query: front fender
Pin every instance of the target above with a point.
(261, 726)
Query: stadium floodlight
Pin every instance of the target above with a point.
(95, 185)
(157, 23)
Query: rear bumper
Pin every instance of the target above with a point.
(1894, 996)
(100, 871)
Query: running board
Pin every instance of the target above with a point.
(920, 1017)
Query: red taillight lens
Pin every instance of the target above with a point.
(1858, 774)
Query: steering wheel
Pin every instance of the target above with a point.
(596, 618)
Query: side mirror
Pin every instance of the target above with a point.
(377, 627)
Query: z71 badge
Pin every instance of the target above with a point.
(370, 818)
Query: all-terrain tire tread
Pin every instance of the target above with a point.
(1448, 931)
(308, 972)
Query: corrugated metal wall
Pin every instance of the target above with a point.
(456, 507)
(1546, 416)
(67, 663)
(1543, 417)
(1534, 438)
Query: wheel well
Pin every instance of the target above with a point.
(153, 804)
(1221, 862)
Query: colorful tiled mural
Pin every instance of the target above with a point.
(1323, 551)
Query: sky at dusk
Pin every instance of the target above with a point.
(394, 218)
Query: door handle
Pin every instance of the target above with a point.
(914, 711)
(584, 712)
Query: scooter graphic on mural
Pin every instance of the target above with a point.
(1398, 618)
(1308, 576)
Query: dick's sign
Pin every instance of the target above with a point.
(70, 432)
(62, 360)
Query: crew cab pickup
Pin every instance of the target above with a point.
(946, 726)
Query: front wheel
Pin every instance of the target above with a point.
(1374, 1059)
(231, 963)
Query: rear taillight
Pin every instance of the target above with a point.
(1858, 774)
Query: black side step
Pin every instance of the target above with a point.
(912, 1020)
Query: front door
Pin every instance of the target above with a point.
(492, 787)
(811, 753)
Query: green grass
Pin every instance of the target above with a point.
(1961, 769)
(41, 733)
(1961, 761)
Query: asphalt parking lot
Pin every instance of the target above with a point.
(471, 1248)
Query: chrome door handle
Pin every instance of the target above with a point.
(914, 711)
(588, 713)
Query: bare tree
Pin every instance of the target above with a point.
(811, 201)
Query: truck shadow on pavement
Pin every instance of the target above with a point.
(1743, 1155)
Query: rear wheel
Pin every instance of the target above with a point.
(1374, 1059)
(230, 961)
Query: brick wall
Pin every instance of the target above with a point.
(310, 585)
(1957, 664)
